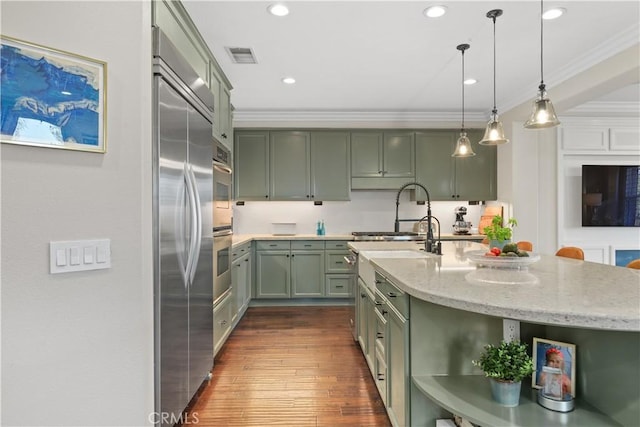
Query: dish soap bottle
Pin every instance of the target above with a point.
(318, 229)
(322, 231)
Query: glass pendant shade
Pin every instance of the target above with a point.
(463, 147)
(494, 133)
(543, 114)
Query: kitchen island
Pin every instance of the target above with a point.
(456, 307)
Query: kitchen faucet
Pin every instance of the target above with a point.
(430, 240)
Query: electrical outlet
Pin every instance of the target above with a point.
(510, 330)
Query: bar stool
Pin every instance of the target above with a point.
(525, 245)
(571, 252)
(634, 264)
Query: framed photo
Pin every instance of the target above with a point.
(555, 368)
(51, 98)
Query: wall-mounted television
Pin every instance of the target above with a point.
(610, 196)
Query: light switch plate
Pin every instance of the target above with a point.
(79, 255)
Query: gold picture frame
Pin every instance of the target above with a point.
(52, 98)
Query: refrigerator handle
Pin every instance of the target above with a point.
(192, 223)
(197, 230)
(180, 225)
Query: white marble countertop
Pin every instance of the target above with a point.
(554, 290)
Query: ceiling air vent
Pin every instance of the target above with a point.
(241, 55)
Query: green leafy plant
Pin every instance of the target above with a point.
(496, 231)
(507, 362)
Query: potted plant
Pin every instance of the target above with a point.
(498, 234)
(506, 365)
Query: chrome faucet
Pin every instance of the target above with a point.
(429, 243)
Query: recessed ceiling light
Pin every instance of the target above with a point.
(470, 81)
(288, 80)
(435, 11)
(554, 13)
(278, 9)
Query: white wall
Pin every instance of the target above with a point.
(367, 211)
(77, 348)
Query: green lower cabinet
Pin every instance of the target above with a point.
(398, 369)
(361, 315)
(273, 274)
(307, 274)
(338, 285)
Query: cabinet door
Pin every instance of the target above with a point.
(338, 285)
(221, 322)
(307, 274)
(398, 155)
(289, 165)
(248, 284)
(251, 173)
(215, 85)
(272, 274)
(366, 154)
(362, 319)
(240, 274)
(434, 164)
(397, 369)
(330, 166)
(225, 117)
(476, 177)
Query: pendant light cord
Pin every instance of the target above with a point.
(462, 129)
(541, 45)
(495, 109)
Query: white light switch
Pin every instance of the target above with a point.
(79, 255)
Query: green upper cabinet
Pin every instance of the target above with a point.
(175, 22)
(251, 165)
(292, 165)
(382, 160)
(450, 178)
(289, 164)
(330, 166)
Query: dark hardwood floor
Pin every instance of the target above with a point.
(291, 366)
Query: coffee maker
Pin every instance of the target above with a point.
(461, 226)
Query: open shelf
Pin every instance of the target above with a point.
(469, 396)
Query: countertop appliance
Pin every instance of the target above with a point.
(182, 223)
(461, 226)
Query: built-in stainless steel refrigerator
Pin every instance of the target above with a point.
(183, 239)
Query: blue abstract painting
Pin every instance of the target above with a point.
(51, 98)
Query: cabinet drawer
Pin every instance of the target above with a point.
(263, 245)
(336, 263)
(338, 244)
(398, 299)
(307, 245)
(240, 250)
(338, 285)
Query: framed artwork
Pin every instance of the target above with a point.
(623, 256)
(51, 98)
(555, 368)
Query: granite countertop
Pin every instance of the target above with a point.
(554, 290)
(239, 239)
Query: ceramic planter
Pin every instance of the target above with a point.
(506, 393)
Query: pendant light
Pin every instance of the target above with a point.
(494, 134)
(543, 115)
(463, 146)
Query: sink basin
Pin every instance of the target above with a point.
(394, 254)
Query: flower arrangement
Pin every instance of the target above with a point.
(496, 231)
(507, 362)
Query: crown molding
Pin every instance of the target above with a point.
(599, 53)
(627, 109)
(248, 116)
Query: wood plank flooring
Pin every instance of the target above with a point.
(291, 366)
